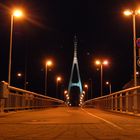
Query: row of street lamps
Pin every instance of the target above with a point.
(49, 63)
(17, 13)
(133, 13)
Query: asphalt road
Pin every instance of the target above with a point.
(68, 124)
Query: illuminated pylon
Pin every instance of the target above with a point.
(75, 64)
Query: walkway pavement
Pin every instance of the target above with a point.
(68, 124)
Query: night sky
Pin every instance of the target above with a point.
(47, 31)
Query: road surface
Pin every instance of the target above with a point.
(68, 124)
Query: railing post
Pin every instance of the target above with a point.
(120, 102)
(112, 102)
(116, 102)
(135, 102)
(126, 100)
(1, 105)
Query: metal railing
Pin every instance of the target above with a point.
(127, 100)
(12, 98)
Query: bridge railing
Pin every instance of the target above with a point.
(12, 98)
(127, 100)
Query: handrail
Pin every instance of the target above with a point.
(126, 100)
(33, 93)
(13, 98)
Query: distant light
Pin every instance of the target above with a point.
(17, 13)
(137, 73)
(107, 83)
(86, 86)
(59, 78)
(19, 74)
(65, 92)
(84, 92)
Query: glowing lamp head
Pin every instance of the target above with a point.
(137, 73)
(127, 12)
(105, 62)
(107, 83)
(49, 63)
(58, 78)
(65, 92)
(138, 11)
(19, 74)
(97, 62)
(84, 92)
(17, 13)
(86, 86)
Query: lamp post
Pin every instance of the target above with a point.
(91, 88)
(133, 13)
(58, 79)
(16, 13)
(48, 63)
(101, 63)
(109, 84)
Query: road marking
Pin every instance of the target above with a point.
(114, 125)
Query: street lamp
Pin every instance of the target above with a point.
(109, 84)
(48, 64)
(17, 14)
(101, 63)
(133, 13)
(58, 79)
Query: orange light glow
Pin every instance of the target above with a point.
(49, 63)
(105, 62)
(97, 62)
(17, 13)
(127, 12)
(86, 86)
(58, 78)
(138, 11)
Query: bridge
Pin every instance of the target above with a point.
(27, 115)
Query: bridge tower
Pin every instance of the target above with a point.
(75, 65)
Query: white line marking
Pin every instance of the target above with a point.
(114, 125)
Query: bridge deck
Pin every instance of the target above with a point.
(68, 124)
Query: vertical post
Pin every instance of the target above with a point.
(116, 104)
(56, 88)
(127, 105)
(112, 102)
(135, 67)
(134, 48)
(10, 51)
(25, 70)
(120, 102)
(2, 105)
(101, 80)
(46, 80)
(91, 88)
(110, 88)
(135, 101)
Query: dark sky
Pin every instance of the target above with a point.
(47, 31)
